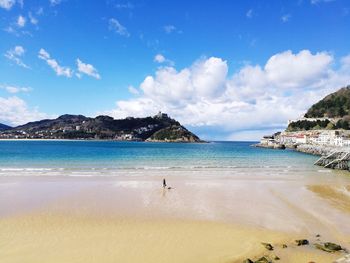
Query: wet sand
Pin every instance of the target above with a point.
(203, 219)
(337, 195)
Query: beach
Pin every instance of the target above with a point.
(104, 201)
(204, 218)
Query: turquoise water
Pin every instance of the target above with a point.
(55, 156)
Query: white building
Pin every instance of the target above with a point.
(301, 139)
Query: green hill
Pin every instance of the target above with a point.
(335, 107)
(4, 127)
(157, 128)
(174, 133)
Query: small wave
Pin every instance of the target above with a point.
(25, 169)
(324, 171)
(155, 167)
(38, 169)
(11, 169)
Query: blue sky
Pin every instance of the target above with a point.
(228, 70)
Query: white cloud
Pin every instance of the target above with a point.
(126, 5)
(21, 21)
(15, 89)
(203, 79)
(115, 26)
(18, 50)
(290, 70)
(55, 2)
(314, 2)
(15, 55)
(285, 18)
(32, 19)
(15, 111)
(159, 58)
(40, 11)
(133, 90)
(60, 71)
(249, 13)
(169, 28)
(7, 4)
(87, 69)
(255, 99)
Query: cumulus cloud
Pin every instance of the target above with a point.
(203, 79)
(255, 99)
(21, 21)
(159, 58)
(87, 69)
(15, 55)
(7, 4)
(15, 111)
(115, 26)
(290, 70)
(60, 71)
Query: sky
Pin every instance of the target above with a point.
(227, 70)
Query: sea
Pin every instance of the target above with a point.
(111, 158)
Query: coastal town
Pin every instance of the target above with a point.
(334, 138)
(323, 129)
(332, 145)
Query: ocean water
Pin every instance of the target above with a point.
(90, 158)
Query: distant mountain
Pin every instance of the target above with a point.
(332, 112)
(104, 127)
(335, 105)
(4, 127)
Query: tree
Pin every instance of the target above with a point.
(330, 126)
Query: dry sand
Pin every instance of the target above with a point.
(201, 220)
(63, 238)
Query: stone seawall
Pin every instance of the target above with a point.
(270, 146)
(316, 149)
(304, 148)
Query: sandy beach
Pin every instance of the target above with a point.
(202, 219)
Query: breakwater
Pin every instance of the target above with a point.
(320, 150)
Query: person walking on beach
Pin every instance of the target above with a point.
(164, 183)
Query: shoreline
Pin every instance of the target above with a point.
(104, 140)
